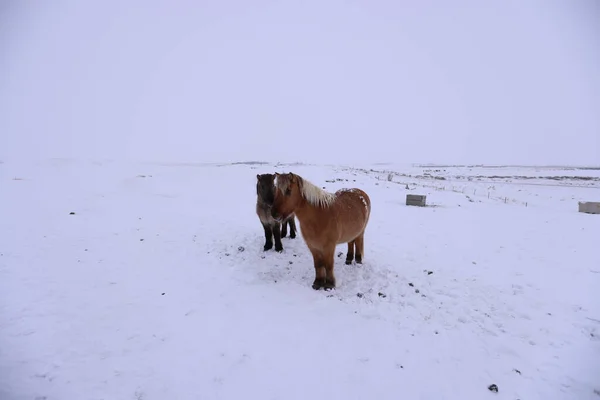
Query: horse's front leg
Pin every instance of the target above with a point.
(320, 274)
(277, 236)
(328, 262)
(268, 237)
(284, 229)
(292, 223)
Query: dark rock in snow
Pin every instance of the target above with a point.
(493, 388)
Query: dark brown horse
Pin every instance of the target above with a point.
(265, 194)
(326, 220)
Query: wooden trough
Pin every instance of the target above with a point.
(589, 207)
(415, 200)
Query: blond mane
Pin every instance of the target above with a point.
(313, 194)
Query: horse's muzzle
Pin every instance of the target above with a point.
(275, 215)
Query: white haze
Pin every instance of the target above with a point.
(315, 81)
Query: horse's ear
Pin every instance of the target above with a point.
(276, 173)
(257, 176)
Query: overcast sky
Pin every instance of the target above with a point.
(511, 81)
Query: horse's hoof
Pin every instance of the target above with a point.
(267, 247)
(329, 285)
(358, 259)
(292, 236)
(317, 285)
(348, 262)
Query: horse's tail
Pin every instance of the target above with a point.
(368, 207)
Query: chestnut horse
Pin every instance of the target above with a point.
(326, 220)
(265, 193)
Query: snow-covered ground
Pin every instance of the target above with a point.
(157, 288)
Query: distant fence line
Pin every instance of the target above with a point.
(389, 175)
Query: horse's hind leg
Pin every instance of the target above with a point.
(350, 254)
(360, 247)
(268, 237)
(277, 236)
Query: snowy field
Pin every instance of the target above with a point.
(149, 282)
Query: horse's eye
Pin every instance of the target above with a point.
(288, 192)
